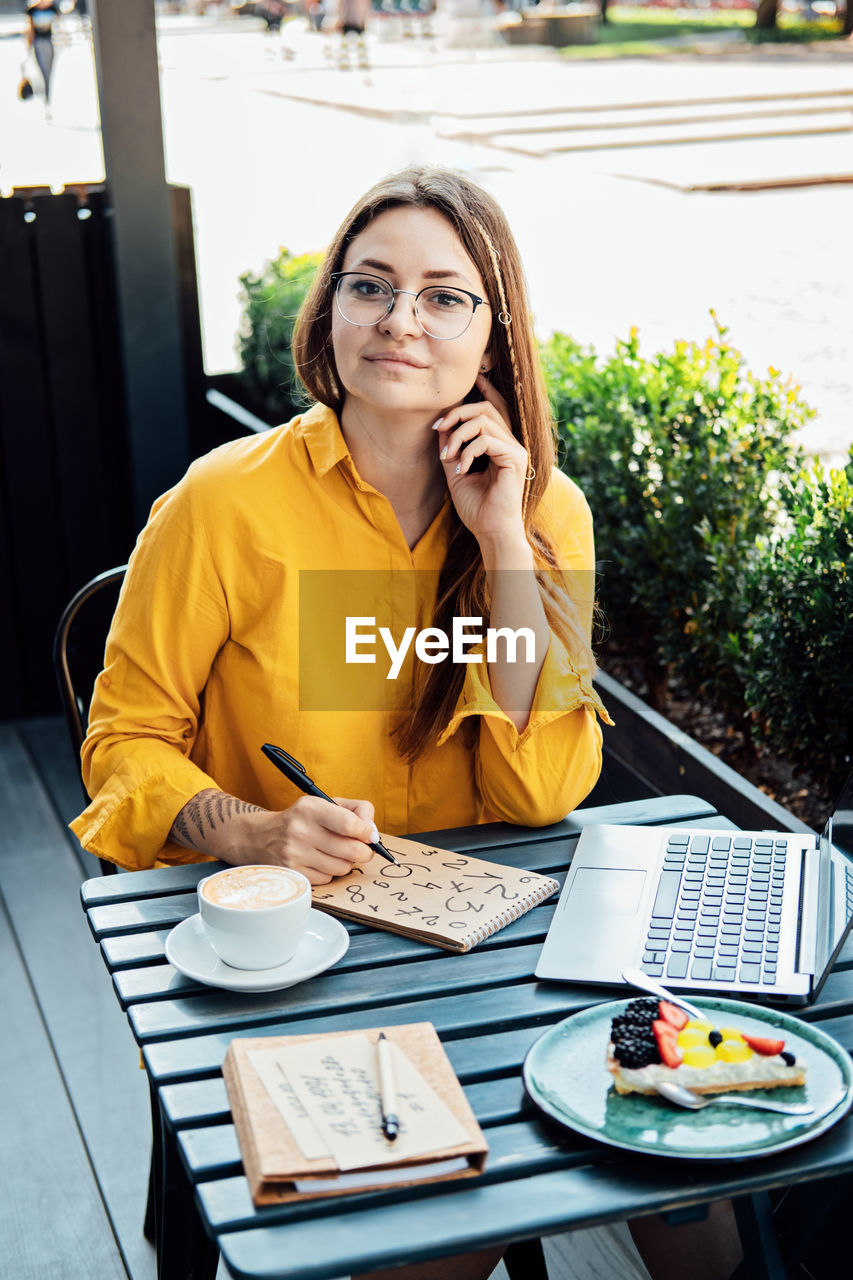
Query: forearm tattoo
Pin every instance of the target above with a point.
(205, 814)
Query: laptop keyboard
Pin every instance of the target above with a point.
(718, 909)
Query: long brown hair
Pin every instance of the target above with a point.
(516, 373)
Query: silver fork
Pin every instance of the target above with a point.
(694, 1102)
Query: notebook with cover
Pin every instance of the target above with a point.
(287, 1157)
(449, 899)
(755, 913)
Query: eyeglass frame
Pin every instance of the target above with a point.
(336, 277)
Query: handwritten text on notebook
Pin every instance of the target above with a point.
(328, 1093)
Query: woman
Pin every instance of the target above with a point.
(419, 487)
(421, 483)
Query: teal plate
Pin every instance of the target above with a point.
(565, 1075)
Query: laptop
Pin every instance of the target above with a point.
(744, 913)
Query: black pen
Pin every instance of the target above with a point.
(295, 773)
(387, 1089)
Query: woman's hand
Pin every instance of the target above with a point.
(488, 502)
(319, 839)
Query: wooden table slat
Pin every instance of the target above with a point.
(129, 951)
(135, 915)
(478, 970)
(214, 1152)
(105, 890)
(195, 1102)
(522, 1148)
(132, 913)
(208, 1150)
(367, 950)
(484, 1057)
(533, 1004)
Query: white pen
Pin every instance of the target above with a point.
(388, 1093)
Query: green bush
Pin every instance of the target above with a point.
(678, 454)
(796, 646)
(271, 302)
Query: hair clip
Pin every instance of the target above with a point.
(504, 317)
(531, 473)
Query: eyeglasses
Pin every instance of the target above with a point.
(441, 312)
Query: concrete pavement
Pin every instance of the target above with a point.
(603, 167)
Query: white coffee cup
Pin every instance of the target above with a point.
(255, 916)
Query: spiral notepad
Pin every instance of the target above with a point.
(446, 898)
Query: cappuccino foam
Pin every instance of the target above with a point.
(253, 888)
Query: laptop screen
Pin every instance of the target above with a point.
(837, 842)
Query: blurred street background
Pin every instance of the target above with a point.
(701, 172)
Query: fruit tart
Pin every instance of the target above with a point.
(653, 1041)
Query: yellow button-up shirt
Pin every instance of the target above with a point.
(203, 661)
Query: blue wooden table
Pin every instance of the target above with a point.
(488, 1010)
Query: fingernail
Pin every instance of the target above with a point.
(374, 833)
(444, 452)
(458, 468)
(437, 424)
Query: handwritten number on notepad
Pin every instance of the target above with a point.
(502, 890)
(402, 872)
(467, 905)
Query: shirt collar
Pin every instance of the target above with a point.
(323, 438)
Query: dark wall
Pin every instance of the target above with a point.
(65, 486)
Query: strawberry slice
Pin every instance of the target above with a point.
(666, 1038)
(763, 1045)
(672, 1014)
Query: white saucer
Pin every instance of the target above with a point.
(189, 951)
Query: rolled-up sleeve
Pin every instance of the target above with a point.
(146, 707)
(536, 776)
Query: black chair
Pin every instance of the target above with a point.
(78, 655)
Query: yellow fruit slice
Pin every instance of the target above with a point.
(700, 1055)
(695, 1025)
(733, 1050)
(731, 1033)
(691, 1036)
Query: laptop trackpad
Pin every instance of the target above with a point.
(613, 890)
(597, 928)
